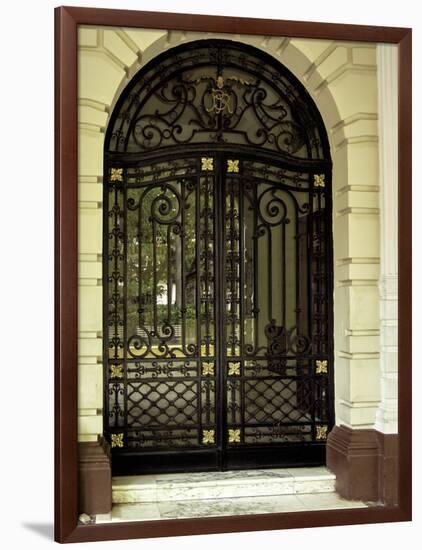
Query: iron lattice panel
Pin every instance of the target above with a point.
(270, 401)
(162, 404)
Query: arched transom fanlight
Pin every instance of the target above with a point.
(220, 92)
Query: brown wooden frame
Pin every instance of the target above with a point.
(66, 282)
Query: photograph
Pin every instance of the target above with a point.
(231, 200)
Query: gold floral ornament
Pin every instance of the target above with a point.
(321, 367)
(208, 437)
(232, 165)
(116, 174)
(319, 180)
(117, 440)
(234, 369)
(116, 371)
(234, 436)
(207, 164)
(321, 432)
(208, 369)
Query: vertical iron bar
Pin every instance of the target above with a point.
(154, 275)
(125, 282)
(169, 271)
(311, 276)
(318, 270)
(209, 197)
(182, 260)
(298, 267)
(319, 288)
(206, 303)
(241, 196)
(198, 293)
(329, 297)
(283, 272)
(233, 312)
(141, 303)
(270, 273)
(255, 263)
(220, 300)
(206, 274)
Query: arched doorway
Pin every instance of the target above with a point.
(218, 346)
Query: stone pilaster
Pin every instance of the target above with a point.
(366, 461)
(386, 418)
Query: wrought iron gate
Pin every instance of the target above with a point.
(217, 272)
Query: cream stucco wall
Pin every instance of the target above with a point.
(342, 78)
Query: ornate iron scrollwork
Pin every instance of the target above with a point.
(217, 94)
(217, 265)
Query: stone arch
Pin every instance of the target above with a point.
(332, 73)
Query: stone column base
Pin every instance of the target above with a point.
(388, 473)
(94, 477)
(365, 463)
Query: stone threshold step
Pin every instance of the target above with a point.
(215, 485)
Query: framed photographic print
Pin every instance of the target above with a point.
(233, 274)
